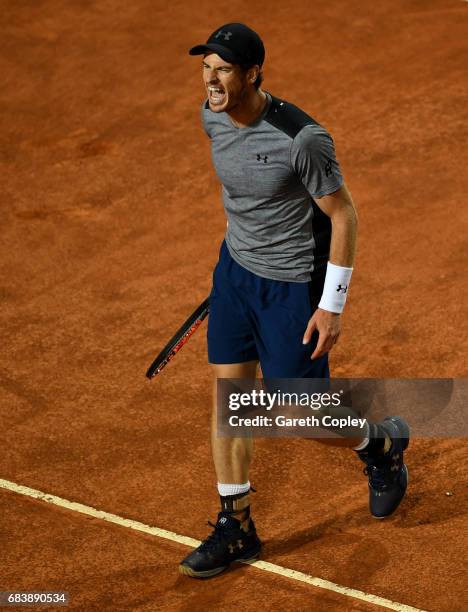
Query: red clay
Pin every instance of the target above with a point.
(111, 221)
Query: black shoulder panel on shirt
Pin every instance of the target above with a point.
(288, 118)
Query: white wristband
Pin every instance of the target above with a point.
(335, 289)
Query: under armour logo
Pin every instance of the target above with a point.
(222, 520)
(239, 545)
(328, 168)
(227, 35)
(265, 158)
(395, 467)
(342, 288)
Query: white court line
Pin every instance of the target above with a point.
(174, 537)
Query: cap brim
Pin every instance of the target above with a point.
(223, 52)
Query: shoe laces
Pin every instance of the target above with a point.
(378, 472)
(376, 477)
(217, 536)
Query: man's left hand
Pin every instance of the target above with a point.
(328, 325)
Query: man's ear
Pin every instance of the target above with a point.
(253, 73)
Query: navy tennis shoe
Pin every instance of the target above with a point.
(228, 543)
(388, 475)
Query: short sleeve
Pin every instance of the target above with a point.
(314, 161)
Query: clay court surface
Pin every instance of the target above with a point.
(111, 221)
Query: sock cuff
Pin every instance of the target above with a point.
(365, 440)
(375, 440)
(233, 489)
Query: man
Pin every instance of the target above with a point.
(282, 278)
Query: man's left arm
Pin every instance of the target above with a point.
(340, 208)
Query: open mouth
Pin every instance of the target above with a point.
(216, 95)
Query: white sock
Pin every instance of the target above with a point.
(365, 441)
(233, 489)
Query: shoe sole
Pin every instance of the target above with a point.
(188, 571)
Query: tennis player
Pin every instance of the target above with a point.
(282, 278)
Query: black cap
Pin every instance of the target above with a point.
(235, 43)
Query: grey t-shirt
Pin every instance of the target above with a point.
(270, 172)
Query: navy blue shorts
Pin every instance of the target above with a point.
(254, 318)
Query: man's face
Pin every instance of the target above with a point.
(226, 84)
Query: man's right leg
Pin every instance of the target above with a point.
(231, 456)
(234, 537)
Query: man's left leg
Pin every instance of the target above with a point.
(283, 356)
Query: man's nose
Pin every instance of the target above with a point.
(212, 76)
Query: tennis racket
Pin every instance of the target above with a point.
(179, 339)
